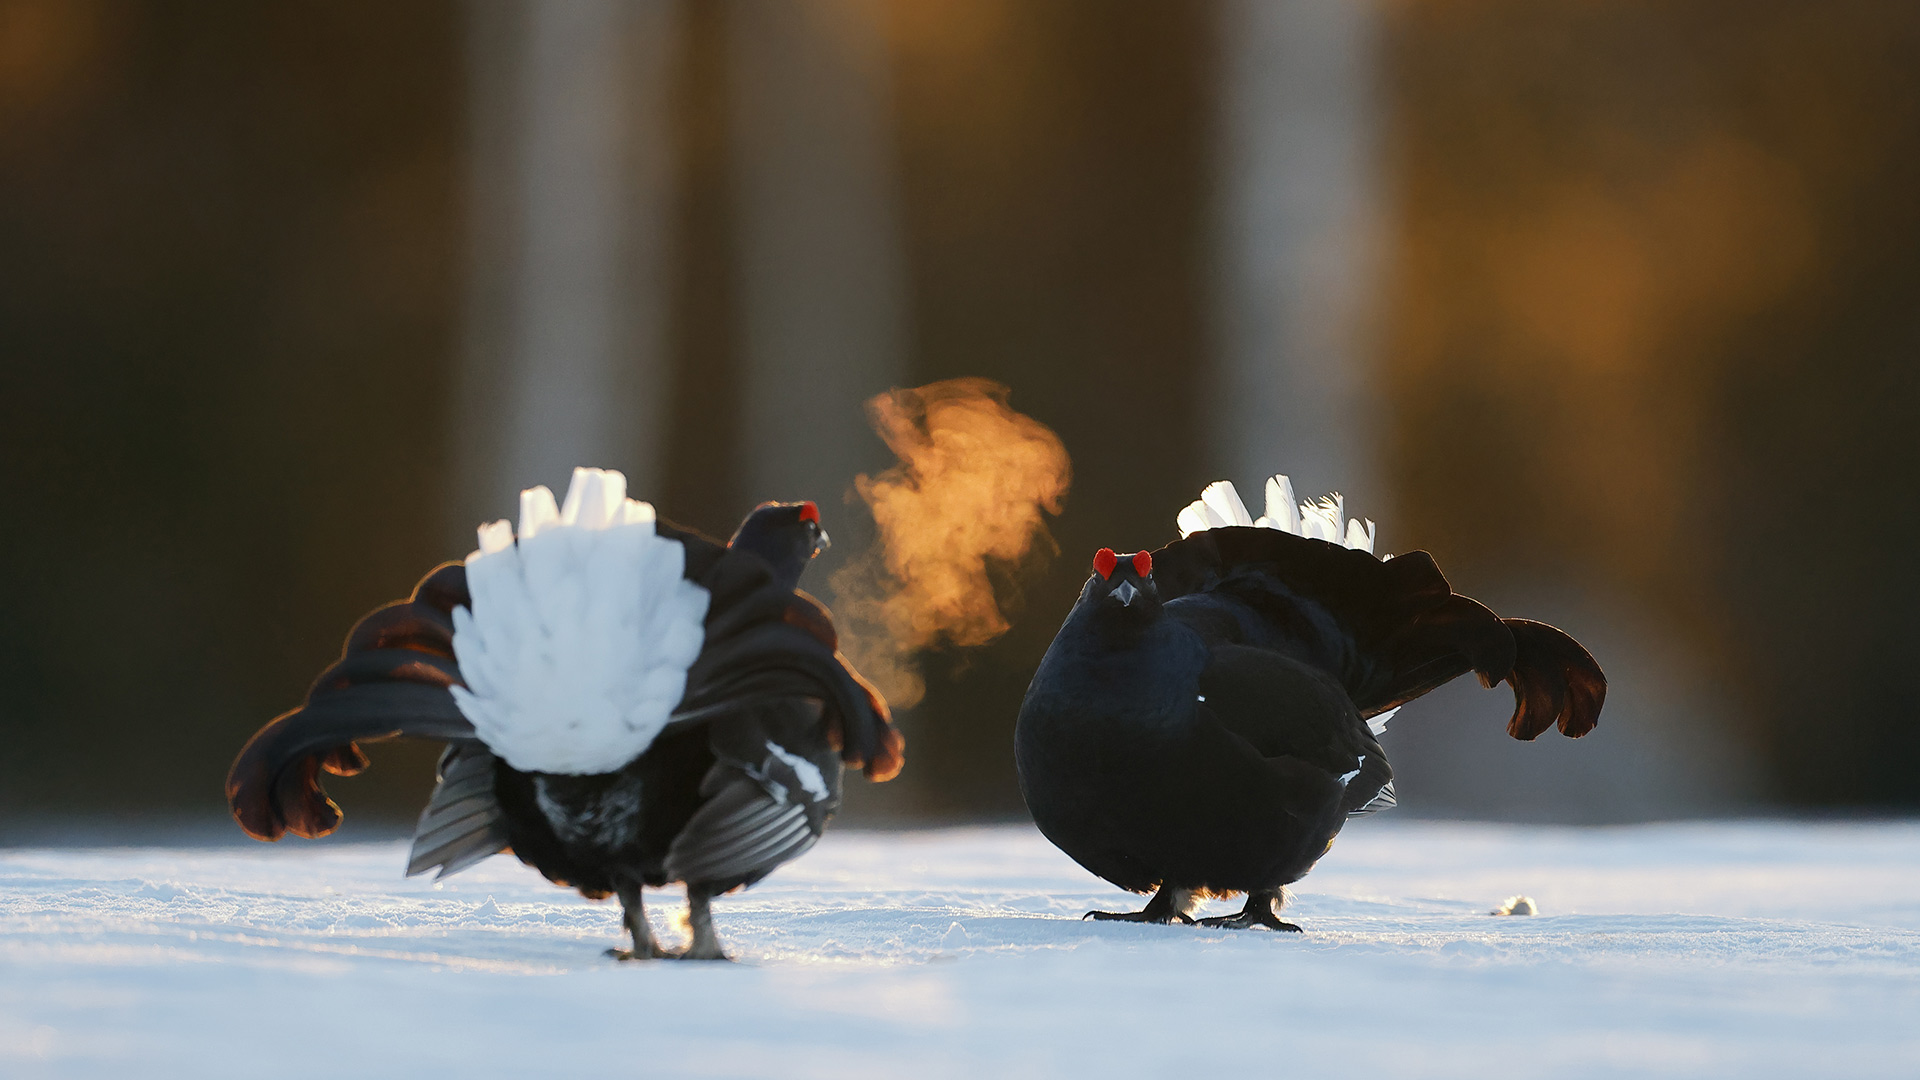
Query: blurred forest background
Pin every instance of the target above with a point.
(1614, 307)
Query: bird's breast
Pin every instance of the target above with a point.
(1087, 691)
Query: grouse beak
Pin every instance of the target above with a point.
(821, 541)
(1125, 593)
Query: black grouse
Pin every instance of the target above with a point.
(1206, 719)
(624, 703)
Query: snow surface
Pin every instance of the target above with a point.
(1755, 949)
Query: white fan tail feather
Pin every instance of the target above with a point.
(576, 646)
(1324, 518)
(1192, 520)
(1283, 512)
(1223, 500)
(1361, 533)
(536, 510)
(1321, 519)
(495, 537)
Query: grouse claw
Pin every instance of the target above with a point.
(1138, 916)
(1247, 921)
(655, 953)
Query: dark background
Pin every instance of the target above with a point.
(1649, 327)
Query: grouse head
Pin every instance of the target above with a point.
(786, 535)
(1123, 583)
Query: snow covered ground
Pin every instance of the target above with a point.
(1729, 949)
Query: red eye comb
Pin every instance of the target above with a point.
(809, 512)
(1143, 564)
(1104, 561)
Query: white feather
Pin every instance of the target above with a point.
(1324, 518)
(811, 778)
(1360, 536)
(576, 647)
(494, 539)
(1221, 498)
(536, 511)
(1282, 512)
(1320, 519)
(1192, 520)
(1347, 778)
(1378, 723)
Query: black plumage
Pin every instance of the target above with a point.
(742, 779)
(1199, 724)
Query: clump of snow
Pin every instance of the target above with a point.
(1738, 949)
(1516, 905)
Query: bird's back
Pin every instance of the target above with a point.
(1388, 631)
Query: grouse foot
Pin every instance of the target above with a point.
(706, 943)
(633, 913)
(1261, 910)
(1169, 905)
(654, 953)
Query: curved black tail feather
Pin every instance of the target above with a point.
(1555, 682)
(766, 640)
(390, 682)
(1391, 630)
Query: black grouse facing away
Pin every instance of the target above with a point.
(1206, 719)
(624, 703)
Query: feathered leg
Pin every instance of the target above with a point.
(1263, 909)
(634, 914)
(706, 943)
(1170, 904)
